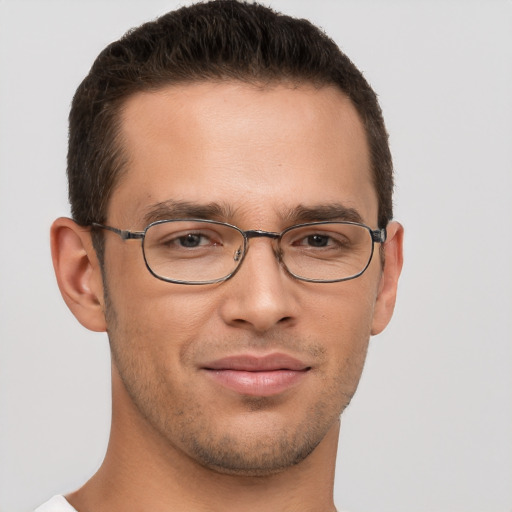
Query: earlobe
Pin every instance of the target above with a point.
(78, 272)
(393, 254)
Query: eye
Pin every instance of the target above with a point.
(320, 240)
(317, 240)
(326, 239)
(173, 237)
(191, 240)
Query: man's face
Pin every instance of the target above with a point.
(182, 353)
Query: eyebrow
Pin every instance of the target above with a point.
(323, 212)
(173, 209)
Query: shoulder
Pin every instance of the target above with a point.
(56, 504)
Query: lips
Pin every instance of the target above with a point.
(257, 376)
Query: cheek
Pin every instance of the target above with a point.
(344, 309)
(343, 323)
(160, 318)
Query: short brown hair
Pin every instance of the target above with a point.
(219, 40)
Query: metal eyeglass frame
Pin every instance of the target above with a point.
(377, 236)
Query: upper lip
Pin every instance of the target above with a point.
(257, 363)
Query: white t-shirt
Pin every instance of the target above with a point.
(56, 504)
(59, 504)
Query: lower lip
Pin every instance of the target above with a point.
(264, 383)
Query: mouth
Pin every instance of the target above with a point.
(257, 375)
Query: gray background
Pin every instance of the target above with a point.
(431, 426)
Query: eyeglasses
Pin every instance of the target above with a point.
(197, 251)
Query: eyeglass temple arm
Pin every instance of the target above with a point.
(125, 235)
(379, 235)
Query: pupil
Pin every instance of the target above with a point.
(317, 240)
(190, 240)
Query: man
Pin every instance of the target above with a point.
(230, 183)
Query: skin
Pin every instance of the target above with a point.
(260, 152)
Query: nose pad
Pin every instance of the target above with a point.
(278, 252)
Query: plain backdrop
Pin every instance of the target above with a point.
(430, 428)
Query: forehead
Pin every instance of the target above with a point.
(258, 150)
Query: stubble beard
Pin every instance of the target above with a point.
(187, 429)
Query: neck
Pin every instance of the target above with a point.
(141, 471)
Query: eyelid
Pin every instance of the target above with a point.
(332, 237)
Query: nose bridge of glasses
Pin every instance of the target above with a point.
(258, 233)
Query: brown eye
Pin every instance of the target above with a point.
(192, 240)
(317, 240)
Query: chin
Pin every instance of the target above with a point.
(260, 451)
(253, 463)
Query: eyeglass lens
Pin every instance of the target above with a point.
(206, 251)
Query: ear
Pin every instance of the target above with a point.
(78, 272)
(393, 260)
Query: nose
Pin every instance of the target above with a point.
(261, 295)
